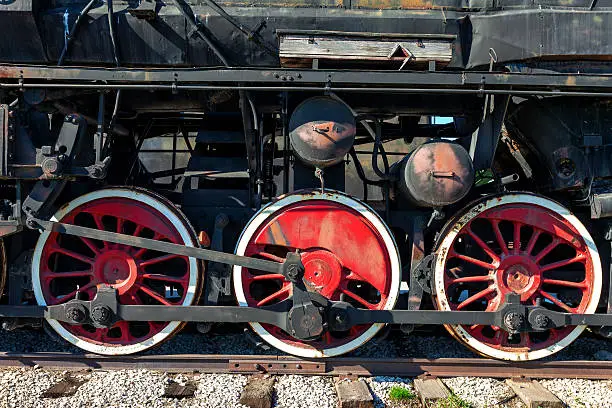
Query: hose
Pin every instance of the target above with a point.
(73, 30)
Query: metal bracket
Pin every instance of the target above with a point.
(423, 273)
(218, 276)
(301, 321)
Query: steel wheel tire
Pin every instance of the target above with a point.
(130, 263)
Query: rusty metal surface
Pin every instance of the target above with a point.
(436, 174)
(250, 364)
(322, 131)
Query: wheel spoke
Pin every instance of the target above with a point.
(468, 279)
(547, 249)
(498, 235)
(517, 237)
(154, 294)
(471, 260)
(569, 284)
(140, 252)
(532, 241)
(525, 340)
(483, 245)
(124, 328)
(555, 301)
(98, 220)
(286, 290)
(354, 276)
(565, 262)
(152, 261)
(479, 295)
(70, 274)
(90, 244)
(72, 254)
(165, 278)
(72, 294)
(269, 276)
(270, 256)
(358, 298)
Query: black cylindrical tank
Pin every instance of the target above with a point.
(322, 131)
(436, 174)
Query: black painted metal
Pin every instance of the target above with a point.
(199, 253)
(338, 315)
(16, 76)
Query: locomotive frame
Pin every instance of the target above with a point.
(103, 311)
(300, 74)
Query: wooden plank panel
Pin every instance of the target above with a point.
(338, 48)
(534, 395)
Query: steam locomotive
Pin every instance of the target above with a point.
(317, 169)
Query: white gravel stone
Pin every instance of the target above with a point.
(293, 391)
(380, 387)
(118, 389)
(581, 393)
(482, 392)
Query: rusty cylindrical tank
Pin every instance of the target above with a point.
(322, 131)
(436, 174)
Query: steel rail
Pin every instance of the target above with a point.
(257, 364)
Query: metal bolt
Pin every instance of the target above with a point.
(76, 314)
(101, 314)
(541, 321)
(514, 321)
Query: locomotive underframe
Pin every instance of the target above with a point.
(305, 315)
(304, 308)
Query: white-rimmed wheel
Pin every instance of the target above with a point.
(63, 264)
(517, 243)
(348, 254)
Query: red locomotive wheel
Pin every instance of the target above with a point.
(65, 265)
(348, 254)
(523, 244)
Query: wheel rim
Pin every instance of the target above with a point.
(334, 233)
(140, 276)
(523, 244)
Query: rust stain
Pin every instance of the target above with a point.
(570, 81)
(396, 4)
(9, 72)
(277, 237)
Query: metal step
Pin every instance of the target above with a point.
(213, 168)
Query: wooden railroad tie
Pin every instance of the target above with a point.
(258, 392)
(180, 391)
(353, 393)
(67, 387)
(430, 390)
(533, 394)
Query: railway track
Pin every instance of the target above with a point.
(345, 366)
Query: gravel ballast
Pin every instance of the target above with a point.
(395, 345)
(483, 392)
(381, 385)
(293, 391)
(578, 393)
